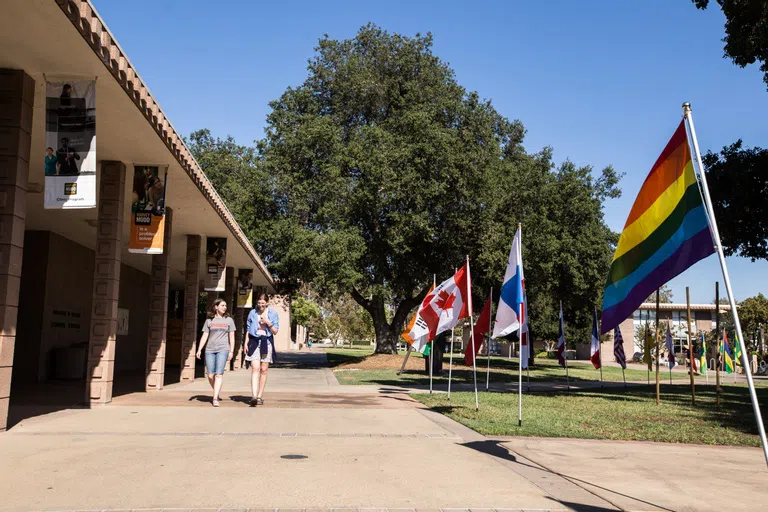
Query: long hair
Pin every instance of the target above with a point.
(212, 312)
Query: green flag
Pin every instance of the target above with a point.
(737, 351)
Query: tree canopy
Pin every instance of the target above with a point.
(380, 170)
(746, 31)
(738, 184)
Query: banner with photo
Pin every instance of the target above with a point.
(215, 264)
(148, 209)
(70, 144)
(245, 287)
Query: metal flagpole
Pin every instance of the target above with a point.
(726, 277)
(520, 372)
(717, 337)
(472, 332)
(623, 374)
(488, 347)
(432, 346)
(450, 363)
(599, 350)
(658, 386)
(431, 363)
(690, 348)
(405, 360)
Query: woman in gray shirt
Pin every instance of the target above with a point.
(219, 342)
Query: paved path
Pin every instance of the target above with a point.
(316, 445)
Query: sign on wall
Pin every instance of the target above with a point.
(216, 264)
(123, 316)
(148, 209)
(245, 288)
(70, 144)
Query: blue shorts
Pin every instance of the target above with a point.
(216, 361)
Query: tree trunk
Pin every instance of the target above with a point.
(387, 334)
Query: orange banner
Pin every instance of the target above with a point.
(148, 210)
(147, 233)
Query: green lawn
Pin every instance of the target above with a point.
(612, 413)
(502, 370)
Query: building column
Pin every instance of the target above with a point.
(239, 316)
(191, 292)
(17, 97)
(106, 284)
(158, 311)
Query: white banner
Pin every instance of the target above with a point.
(70, 144)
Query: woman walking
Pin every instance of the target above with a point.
(262, 326)
(219, 342)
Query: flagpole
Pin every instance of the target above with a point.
(658, 386)
(472, 332)
(624, 375)
(432, 346)
(600, 348)
(690, 347)
(488, 347)
(405, 360)
(726, 277)
(450, 361)
(717, 339)
(520, 372)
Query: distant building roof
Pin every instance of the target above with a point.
(682, 307)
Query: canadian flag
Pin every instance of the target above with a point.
(448, 303)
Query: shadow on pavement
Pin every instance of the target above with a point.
(495, 449)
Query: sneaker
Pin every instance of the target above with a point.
(215, 402)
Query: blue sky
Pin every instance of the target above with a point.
(600, 81)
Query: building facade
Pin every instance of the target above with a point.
(77, 308)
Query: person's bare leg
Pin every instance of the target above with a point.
(212, 381)
(264, 367)
(254, 378)
(218, 381)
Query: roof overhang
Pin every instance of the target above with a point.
(59, 39)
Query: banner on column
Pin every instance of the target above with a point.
(148, 209)
(216, 264)
(70, 144)
(245, 288)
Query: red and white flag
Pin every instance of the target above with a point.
(482, 327)
(448, 303)
(417, 332)
(594, 352)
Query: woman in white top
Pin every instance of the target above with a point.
(262, 326)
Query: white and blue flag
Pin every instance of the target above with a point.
(509, 315)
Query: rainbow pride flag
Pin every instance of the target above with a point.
(667, 231)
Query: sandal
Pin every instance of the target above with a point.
(215, 402)
(259, 401)
(253, 402)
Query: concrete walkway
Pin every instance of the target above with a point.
(318, 445)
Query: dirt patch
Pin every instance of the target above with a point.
(385, 362)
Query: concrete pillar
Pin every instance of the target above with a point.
(191, 292)
(158, 311)
(106, 284)
(282, 305)
(17, 97)
(239, 316)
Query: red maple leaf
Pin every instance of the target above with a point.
(445, 301)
